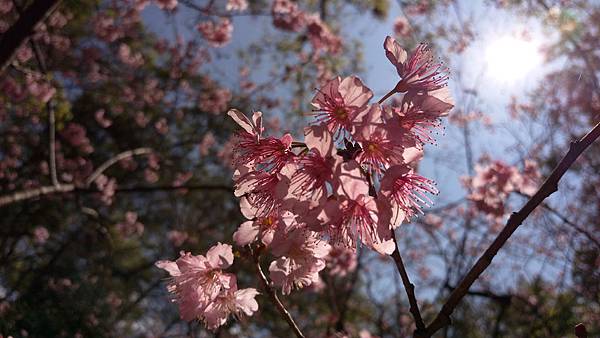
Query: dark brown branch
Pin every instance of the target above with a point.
(409, 287)
(514, 221)
(273, 295)
(14, 37)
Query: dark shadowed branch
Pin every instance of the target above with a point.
(408, 286)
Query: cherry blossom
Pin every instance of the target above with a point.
(216, 33)
(402, 27)
(236, 5)
(287, 15)
(339, 101)
(418, 71)
(301, 257)
(197, 281)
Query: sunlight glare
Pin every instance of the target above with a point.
(510, 58)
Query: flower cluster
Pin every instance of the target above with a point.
(352, 179)
(204, 291)
(495, 180)
(311, 203)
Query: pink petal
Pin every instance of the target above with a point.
(169, 266)
(220, 256)
(241, 119)
(354, 92)
(396, 54)
(246, 233)
(244, 300)
(320, 138)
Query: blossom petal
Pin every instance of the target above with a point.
(220, 256)
(246, 233)
(169, 266)
(396, 54)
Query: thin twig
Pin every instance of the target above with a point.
(121, 156)
(572, 224)
(273, 295)
(514, 221)
(408, 286)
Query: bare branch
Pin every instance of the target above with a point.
(514, 221)
(33, 193)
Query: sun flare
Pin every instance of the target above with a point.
(510, 58)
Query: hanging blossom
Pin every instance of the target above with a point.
(312, 202)
(419, 71)
(204, 291)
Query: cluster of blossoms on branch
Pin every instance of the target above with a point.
(349, 183)
(494, 180)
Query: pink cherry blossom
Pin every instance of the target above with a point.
(177, 238)
(353, 217)
(198, 280)
(130, 225)
(418, 71)
(261, 227)
(216, 33)
(287, 15)
(339, 101)
(402, 27)
(100, 117)
(129, 58)
(341, 261)
(75, 135)
(230, 301)
(301, 256)
(40, 235)
(379, 150)
(166, 4)
(320, 36)
(236, 5)
(264, 191)
(406, 192)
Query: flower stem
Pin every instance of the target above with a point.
(385, 97)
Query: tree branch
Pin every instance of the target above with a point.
(514, 221)
(409, 287)
(70, 188)
(273, 295)
(14, 37)
(121, 156)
